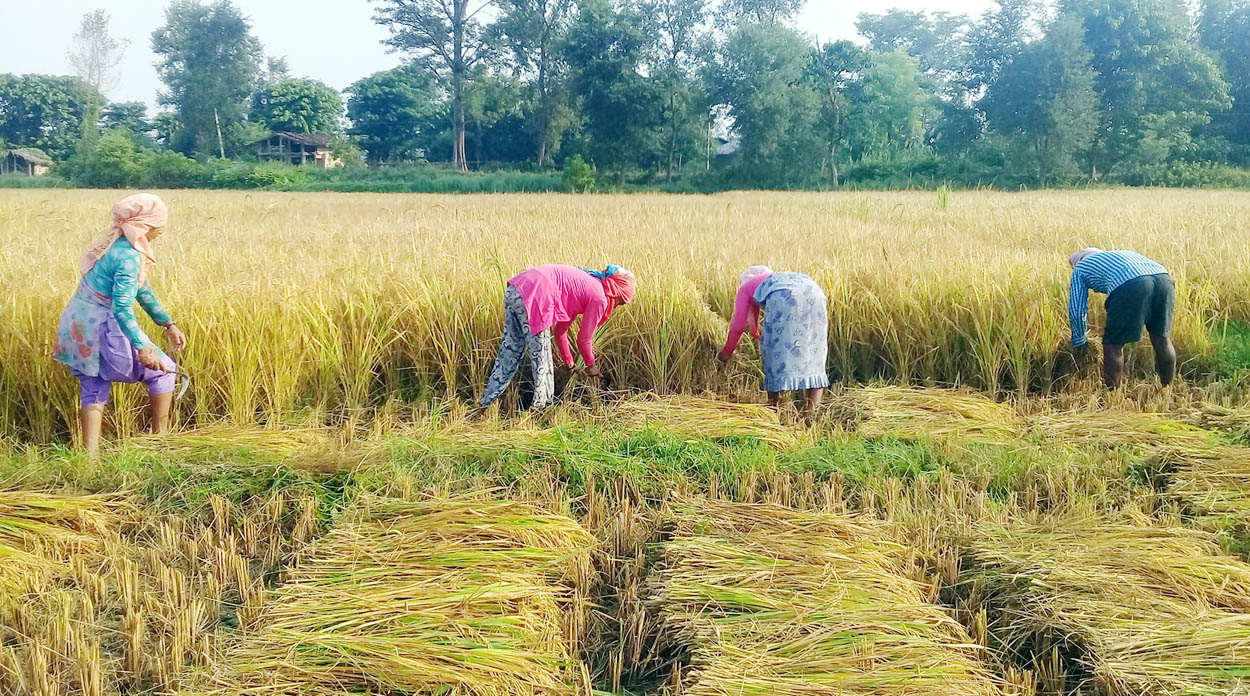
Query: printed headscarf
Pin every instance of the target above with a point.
(133, 216)
(619, 285)
(752, 272)
(1085, 253)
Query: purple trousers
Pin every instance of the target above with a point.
(119, 362)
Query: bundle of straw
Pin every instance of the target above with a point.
(461, 596)
(1215, 481)
(1102, 429)
(1146, 610)
(913, 413)
(703, 418)
(772, 601)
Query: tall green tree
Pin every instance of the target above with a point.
(759, 76)
(131, 116)
(44, 111)
(209, 61)
(679, 31)
(998, 38)
(448, 37)
(534, 32)
(938, 41)
(1045, 98)
(389, 111)
(1224, 29)
(760, 11)
(620, 107)
(298, 105)
(836, 67)
(1155, 84)
(889, 105)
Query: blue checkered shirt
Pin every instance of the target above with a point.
(1103, 272)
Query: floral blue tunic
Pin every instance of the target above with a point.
(106, 297)
(794, 340)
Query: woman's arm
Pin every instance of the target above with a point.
(746, 313)
(586, 333)
(125, 288)
(561, 333)
(152, 306)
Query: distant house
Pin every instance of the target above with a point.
(26, 161)
(297, 148)
(727, 146)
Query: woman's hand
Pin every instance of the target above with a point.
(177, 341)
(594, 371)
(723, 357)
(149, 359)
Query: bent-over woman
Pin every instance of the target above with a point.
(99, 338)
(794, 341)
(541, 303)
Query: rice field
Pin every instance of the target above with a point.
(329, 308)
(969, 514)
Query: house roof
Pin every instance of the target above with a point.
(317, 140)
(32, 155)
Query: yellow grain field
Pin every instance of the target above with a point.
(330, 305)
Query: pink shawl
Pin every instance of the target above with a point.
(133, 216)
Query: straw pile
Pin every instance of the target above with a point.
(461, 596)
(923, 413)
(1139, 610)
(1215, 482)
(704, 418)
(773, 601)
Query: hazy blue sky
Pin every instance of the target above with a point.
(334, 41)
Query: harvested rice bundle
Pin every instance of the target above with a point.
(929, 413)
(39, 530)
(771, 601)
(1235, 421)
(1215, 482)
(704, 418)
(1145, 610)
(1118, 428)
(461, 596)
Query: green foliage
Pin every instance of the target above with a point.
(578, 175)
(209, 61)
(388, 111)
(275, 175)
(130, 116)
(44, 111)
(297, 105)
(1232, 350)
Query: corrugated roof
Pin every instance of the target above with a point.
(313, 139)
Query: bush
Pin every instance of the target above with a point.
(275, 175)
(168, 169)
(578, 175)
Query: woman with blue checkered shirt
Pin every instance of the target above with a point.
(1139, 293)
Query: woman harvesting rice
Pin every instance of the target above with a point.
(99, 337)
(795, 338)
(542, 302)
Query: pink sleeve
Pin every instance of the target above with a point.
(586, 333)
(561, 333)
(746, 314)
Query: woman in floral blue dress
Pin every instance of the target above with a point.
(794, 341)
(99, 338)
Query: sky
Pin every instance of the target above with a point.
(334, 41)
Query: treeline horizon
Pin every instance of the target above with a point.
(680, 94)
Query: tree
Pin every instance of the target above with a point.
(209, 62)
(131, 116)
(533, 31)
(998, 38)
(298, 105)
(95, 54)
(620, 106)
(938, 41)
(759, 75)
(1223, 30)
(388, 110)
(44, 111)
(771, 11)
(1045, 97)
(834, 69)
(679, 23)
(889, 104)
(445, 35)
(1155, 85)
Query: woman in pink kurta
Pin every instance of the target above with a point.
(543, 302)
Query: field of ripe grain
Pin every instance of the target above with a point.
(333, 307)
(917, 543)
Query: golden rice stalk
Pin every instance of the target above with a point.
(767, 600)
(703, 418)
(928, 413)
(463, 596)
(1215, 481)
(1149, 610)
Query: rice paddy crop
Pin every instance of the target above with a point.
(467, 596)
(325, 307)
(1143, 609)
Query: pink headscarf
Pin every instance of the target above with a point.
(619, 286)
(133, 216)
